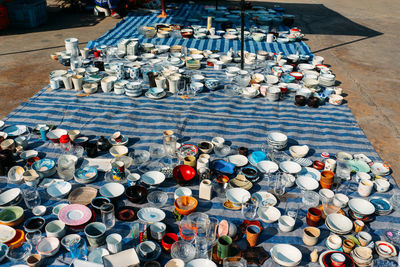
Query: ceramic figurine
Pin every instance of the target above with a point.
(314, 255)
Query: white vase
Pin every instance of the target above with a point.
(205, 190)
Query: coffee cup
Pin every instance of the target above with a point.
(365, 187)
(114, 243)
(313, 216)
(310, 235)
(223, 246)
(364, 238)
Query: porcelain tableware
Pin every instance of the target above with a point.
(48, 246)
(286, 255)
(361, 207)
(34, 223)
(286, 223)
(269, 214)
(74, 214)
(59, 189)
(153, 178)
(114, 243)
(55, 229)
(10, 197)
(310, 235)
(151, 215)
(95, 233)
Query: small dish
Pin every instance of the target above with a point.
(34, 223)
(48, 246)
(153, 178)
(10, 197)
(59, 189)
(112, 190)
(157, 198)
(151, 215)
(136, 194)
(39, 210)
(269, 214)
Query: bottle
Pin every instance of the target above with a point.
(65, 143)
(205, 190)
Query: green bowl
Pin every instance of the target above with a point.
(10, 214)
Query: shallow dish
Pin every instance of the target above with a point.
(7, 233)
(85, 175)
(290, 167)
(11, 216)
(59, 189)
(382, 205)
(48, 246)
(75, 214)
(264, 198)
(238, 160)
(266, 166)
(82, 195)
(339, 223)
(151, 215)
(153, 178)
(112, 190)
(361, 207)
(269, 214)
(237, 195)
(15, 130)
(311, 172)
(286, 255)
(10, 197)
(307, 183)
(157, 198)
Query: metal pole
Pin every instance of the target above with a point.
(242, 37)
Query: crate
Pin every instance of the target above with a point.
(27, 13)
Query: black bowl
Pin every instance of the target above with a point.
(34, 223)
(136, 194)
(98, 201)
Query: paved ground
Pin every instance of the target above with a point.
(359, 39)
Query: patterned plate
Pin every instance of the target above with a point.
(74, 214)
(15, 130)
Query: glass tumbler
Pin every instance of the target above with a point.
(169, 142)
(107, 215)
(31, 197)
(188, 230)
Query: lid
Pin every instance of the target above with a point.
(64, 139)
(325, 154)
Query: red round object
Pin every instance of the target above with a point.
(183, 174)
(168, 240)
(64, 139)
(296, 75)
(319, 165)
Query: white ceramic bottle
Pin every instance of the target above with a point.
(205, 190)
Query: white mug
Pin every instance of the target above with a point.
(365, 187)
(114, 243)
(270, 38)
(330, 165)
(161, 82)
(67, 80)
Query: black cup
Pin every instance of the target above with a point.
(300, 100)
(313, 102)
(91, 150)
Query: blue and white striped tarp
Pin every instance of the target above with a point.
(128, 28)
(241, 121)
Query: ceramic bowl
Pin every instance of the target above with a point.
(286, 255)
(185, 205)
(48, 246)
(340, 200)
(98, 201)
(55, 229)
(119, 151)
(299, 151)
(156, 91)
(237, 195)
(212, 84)
(45, 167)
(57, 208)
(269, 214)
(290, 167)
(15, 175)
(163, 48)
(112, 190)
(54, 135)
(34, 223)
(90, 88)
(11, 216)
(326, 194)
(361, 207)
(205, 147)
(10, 197)
(334, 242)
(286, 223)
(182, 191)
(70, 239)
(157, 198)
(338, 223)
(266, 166)
(59, 189)
(136, 194)
(153, 178)
(31, 177)
(27, 154)
(381, 185)
(39, 210)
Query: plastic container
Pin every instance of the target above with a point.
(27, 13)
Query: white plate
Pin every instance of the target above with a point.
(339, 223)
(236, 195)
(311, 172)
(265, 198)
(15, 130)
(307, 183)
(6, 233)
(201, 263)
(112, 190)
(9, 195)
(153, 177)
(361, 206)
(269, 214)
(1, 124)
(238, 160)
(266, 166)
(290, 167)
(286, 255)
(151, 215)
(147, 94)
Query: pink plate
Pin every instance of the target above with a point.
(74, 214)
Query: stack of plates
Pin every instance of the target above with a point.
(339, 224)
(273, 93)
(277, 140)
(327, 80)
(382, 205)
(361, 207)
(379, 168)
(85, 175)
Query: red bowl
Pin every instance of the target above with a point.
(183, 174)
(168, 240)
(296, 75)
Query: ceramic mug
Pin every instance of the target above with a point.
(358, 226)
(161, 82)
(348, 246)
(157, 230)
(77, 81)
(252, 234)
(224, 246)
(286, 223)
(114, 243)
(310, 235)
(365, 187)
(67, 80)
(95, 234)
(313, 216)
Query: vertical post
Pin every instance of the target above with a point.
(216, 4)
(242, 37)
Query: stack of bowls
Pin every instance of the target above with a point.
(327, 79)
(85, 175)
(133, 89)
(277, 140)
(273, 93)
(362, 256)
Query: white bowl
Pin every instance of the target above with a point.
(10, 197)
(286, 223)
(269, 214)
(119, 151)
(56, 133)
(266, 166)
(55, 229)
(28, 154)
(307, 183)
(299, 151)
(382, 185)
(237, 195)
(326, 193)
(286, 255)
(334, 241)
(68, 239)
(182, 191)
(48, 246)
(361, 206)
(112, 190)
(340, 200)
(39, 210)
(290, 167)
(339, 223)
(153, 177)
(277, 137)
(59, 189)
(238, 160)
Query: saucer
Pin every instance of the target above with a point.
(149, 95)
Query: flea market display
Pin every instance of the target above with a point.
(75, 197)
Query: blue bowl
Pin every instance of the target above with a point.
(212, 84)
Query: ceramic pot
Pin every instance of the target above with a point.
(252, 234)
(313, 102)
(300, 100)
(310, 236)
(325, 185)
(313, 216)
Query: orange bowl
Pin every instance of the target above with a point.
(185, 205)
(18, 239)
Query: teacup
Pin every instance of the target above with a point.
(365, 187)
(334, 242)
(364, 238)
(310, 235)
(107, 83)
(114, 243)
(286, 223)
(348, 246)
(157, 230)
(337, 259)
(95, 233)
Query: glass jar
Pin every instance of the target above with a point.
(108, 215)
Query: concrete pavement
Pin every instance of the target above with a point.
(357, 38)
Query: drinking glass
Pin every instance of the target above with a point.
(279, 184)
(234, 262)
(291, 209)
(201, 244)
(211, 231)
(343, 169)
(204, 173)
(310, 198)
(169, 142)
(31, 197)
(107, 215)
(33, 238)
(188, 230)
(249, 208)
(328, 206)
(156, 151)
(66, 169)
